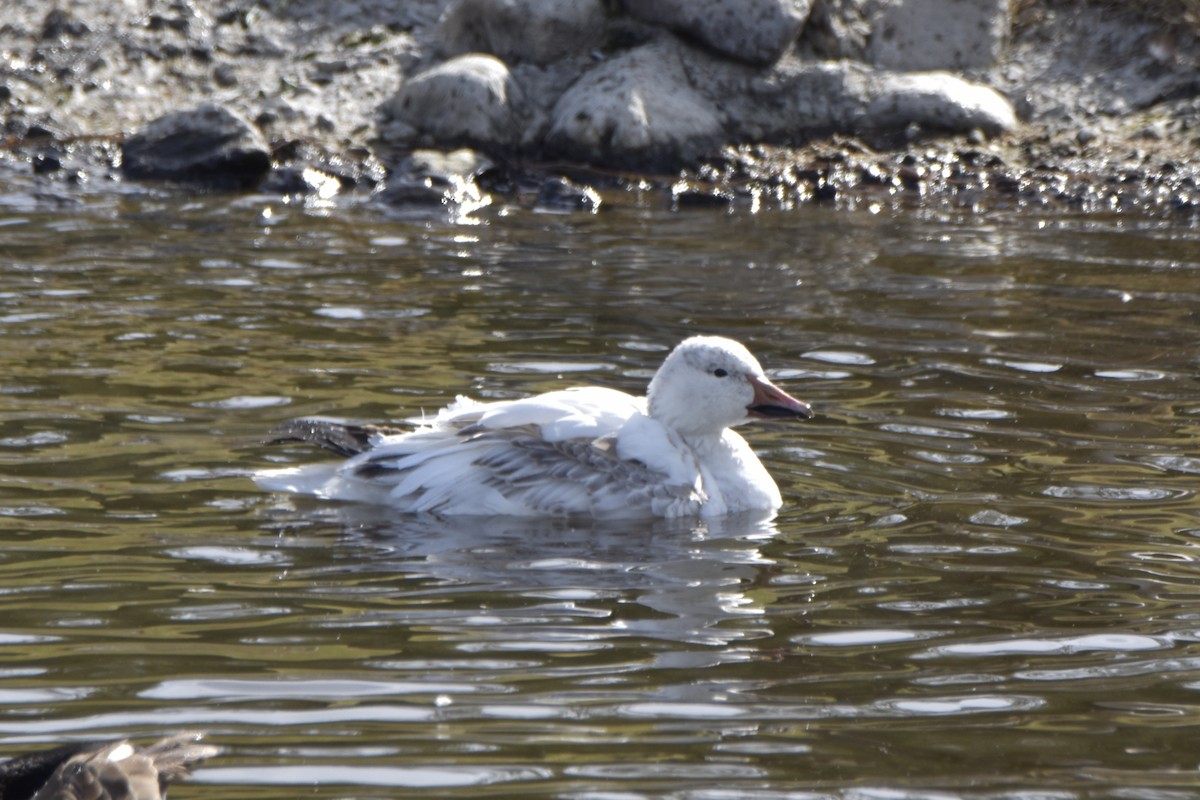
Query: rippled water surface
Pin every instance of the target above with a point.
(985, 582)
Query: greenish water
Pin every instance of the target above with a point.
(984, 583)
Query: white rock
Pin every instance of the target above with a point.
(470, 99)
(536, 31)
(753, 31)
(936, 100)
(638, 109)
(938, 34)
(795, 100)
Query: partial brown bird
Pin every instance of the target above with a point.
(103, 770)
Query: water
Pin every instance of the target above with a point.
(983, 584)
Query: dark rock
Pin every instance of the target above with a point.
(825, 191)
(752, 31)
(299, 181)
(409, 192)
(311, 171)
(685, 194)
(238, 15)
(225, 75)
(209, 146)
(58, 24)
(434, 178)
(259, 45)
(40, 131)
(873, 174)
(158, 22)
(44, 163)
(561, 194)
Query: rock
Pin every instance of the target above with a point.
(536, 31)
(687, 194)
(438, 179)
(305, 169)
(469, 100)
(44, 163)
(938, 34)
(561, 194)
(836, 29)
(208, 146)
(789, 103)
(638, 109)
(225, 76)
(1093, 62)
(795, 100)
(752, 31)
(59, 24)
(447, 165)
(936, 100)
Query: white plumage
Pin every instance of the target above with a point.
(590, 451)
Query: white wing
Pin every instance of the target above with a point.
(578, 451)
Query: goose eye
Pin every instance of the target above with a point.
(720, 373)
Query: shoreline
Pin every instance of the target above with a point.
(351, 102)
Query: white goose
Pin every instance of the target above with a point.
(588, 451)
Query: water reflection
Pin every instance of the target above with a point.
(693, 575)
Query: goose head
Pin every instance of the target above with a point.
(709, 383)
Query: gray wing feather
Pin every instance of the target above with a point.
(562, 478)
(535, 470)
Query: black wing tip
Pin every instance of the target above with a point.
(341, 438)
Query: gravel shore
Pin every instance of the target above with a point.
(1105, 107)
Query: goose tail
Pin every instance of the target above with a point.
(338, 437)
